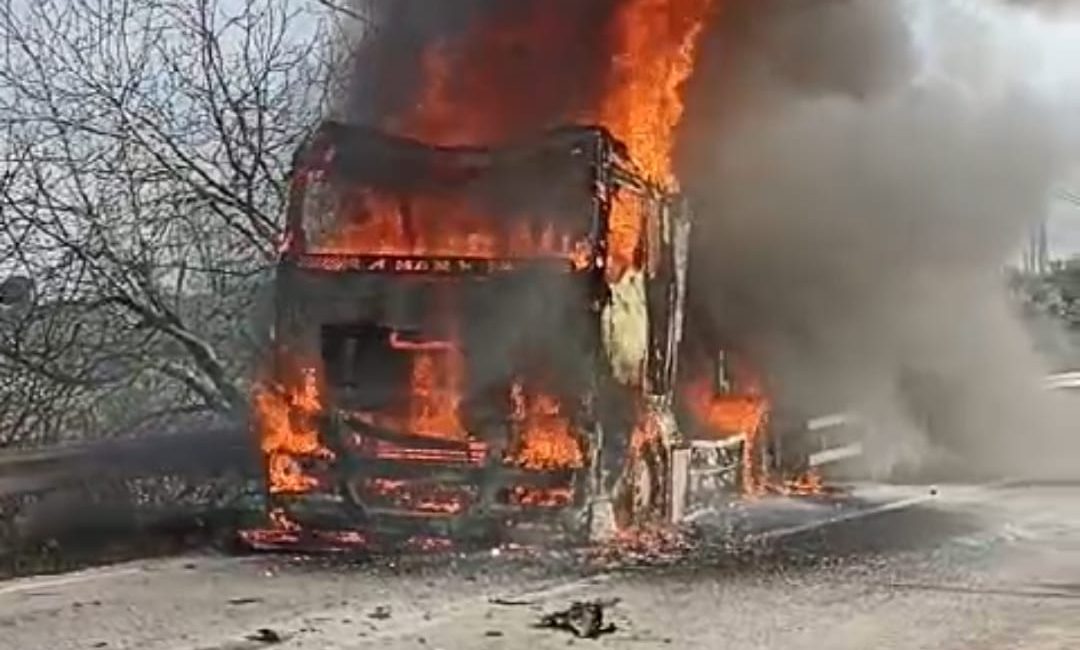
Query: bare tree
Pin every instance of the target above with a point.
(142, 186)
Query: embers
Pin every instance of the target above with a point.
(808, 483)
(541, 497)
(472, 452)
(423, 497)
(426, 498)
(424, 231)
(390, 398)
(429, 226)
(285, 534)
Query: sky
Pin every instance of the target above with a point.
(1046, 45)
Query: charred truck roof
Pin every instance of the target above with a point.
(464, 202)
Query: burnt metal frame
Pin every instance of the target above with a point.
(665, 237)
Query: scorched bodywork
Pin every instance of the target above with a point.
(473, 341)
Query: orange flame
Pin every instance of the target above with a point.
(542, 497)
(469, 97)
(624, 235)
(285, 416)
(470, 89)
(725, 415)
(472, 86)
(435, 394)
(809, 483)
(281, 521)
(546, 439)
(743, 412)
(647, 430)
(469, 94)
(655, 46)
(446, 225)
(436, 379)
(404, 494)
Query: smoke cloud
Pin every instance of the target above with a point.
(863, 171)
(530, 64)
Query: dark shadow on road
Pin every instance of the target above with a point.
(915, 528)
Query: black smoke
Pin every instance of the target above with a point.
(531, 64)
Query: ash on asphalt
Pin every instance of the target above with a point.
(812, 531)
(823, 531)
(726, 538)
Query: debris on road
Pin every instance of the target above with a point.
(265, 635)
(643, 546)
(380, 613)
(511, 602)
(585, 619)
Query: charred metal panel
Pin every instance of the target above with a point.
(626, 328)
(681, 220)
(551, 179)
(605, 347)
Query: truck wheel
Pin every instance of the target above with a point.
(641, 493)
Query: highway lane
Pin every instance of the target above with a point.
(990, 567)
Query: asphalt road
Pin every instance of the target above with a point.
(988, 568)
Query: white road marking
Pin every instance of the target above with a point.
(780, 533)
(33, 584)
(788, 531)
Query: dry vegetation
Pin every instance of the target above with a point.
(143, 161)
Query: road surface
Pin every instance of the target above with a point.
(987, 568)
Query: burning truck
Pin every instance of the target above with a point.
(471, 342)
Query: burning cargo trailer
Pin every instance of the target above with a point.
(470, 341)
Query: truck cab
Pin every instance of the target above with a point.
(469, 341)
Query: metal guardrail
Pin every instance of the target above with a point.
(1063, 380)
(231, 449)
(195, 453)
(834, 425)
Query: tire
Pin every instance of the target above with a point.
(640, 497)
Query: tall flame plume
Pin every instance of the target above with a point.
(654, 46)
(467, 96)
